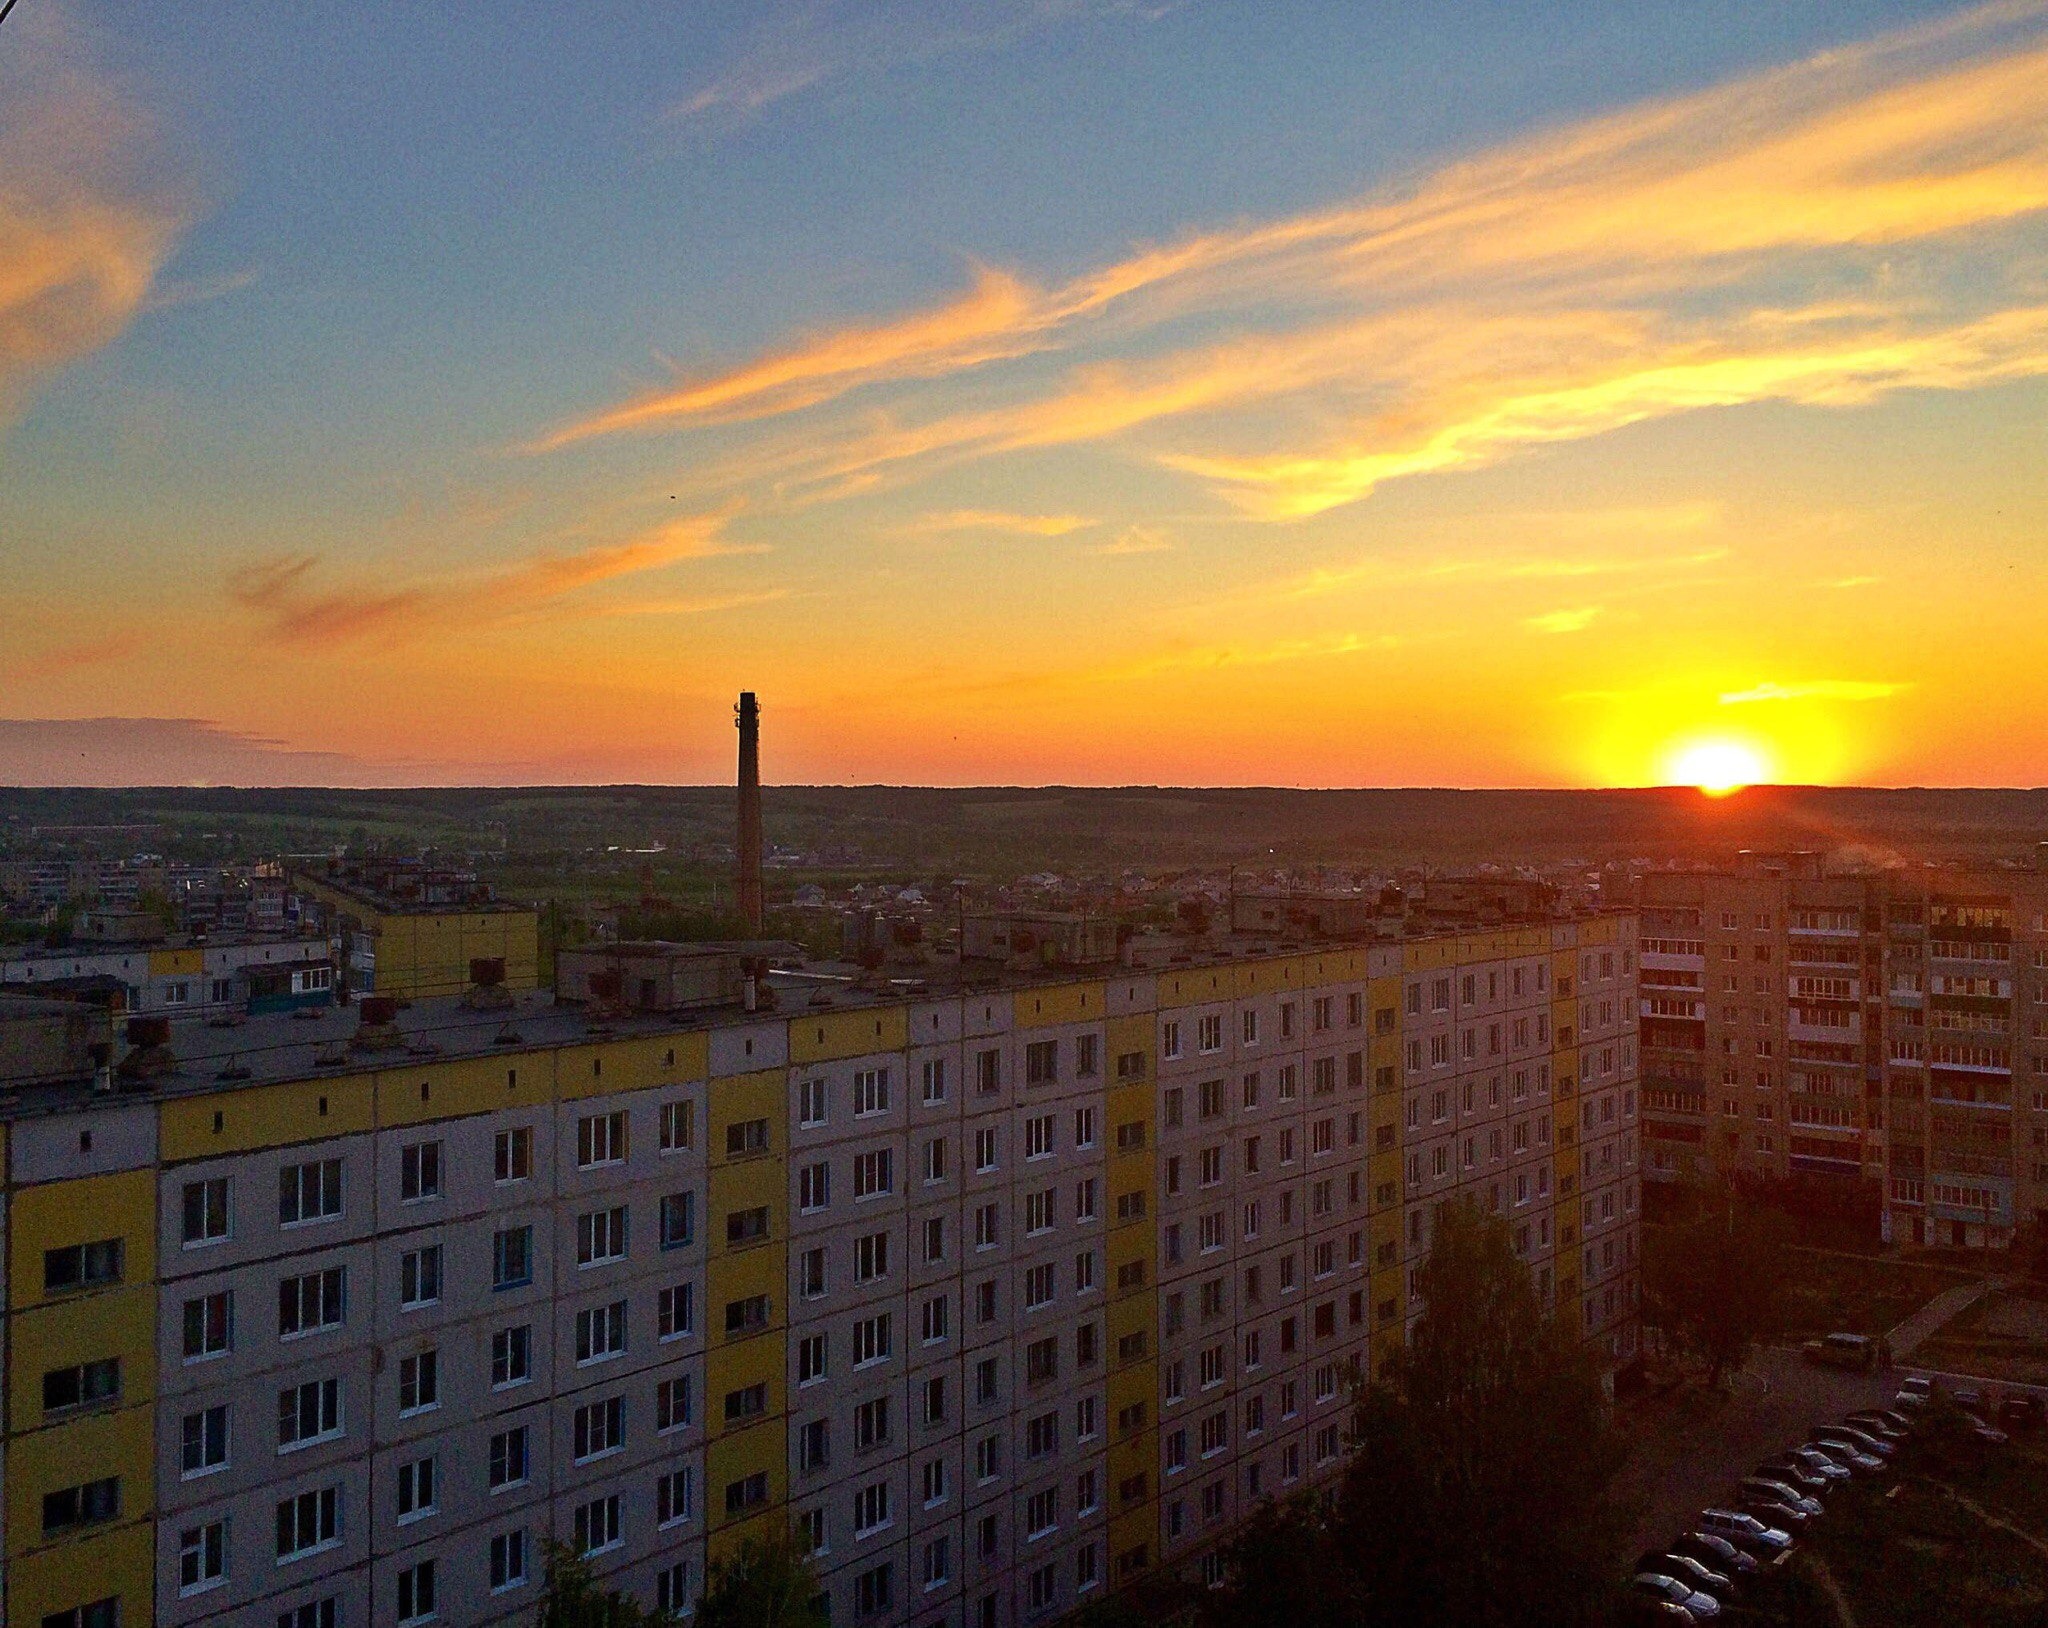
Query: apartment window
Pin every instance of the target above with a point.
(870, 1092)
(746, 1139)
(309, 1522)
(672, 1589)
(811, 1273)
(984, 1150)
(870, 1257)
(746, 1402)
(309, 1192)
(89, 1504)
(675, 1497)
(1038, 1287)
(746, 1316)
(82, 1266)
(874, 1590)
(209, 1325)
(676, 1311)
(1042, 1361)
(871, 1509)
(510, 1458)
(749, 1226)
(419, 1172)
(202, 1557)
(321, 1613)
(938, 1565)
(935, 1400)
(1038, 1136)
(1041, 1062)
(935, 1159)
(934, 1081)
(1038, 1211)
(306, 1413)
(813, 1102)
(601, 1332)
(512, 1257)
(419, 1382)
(597, 1526)
(204, 1441)
(419, 1277)
(672, 1404)
(679, 1130)
(205, 1212)
(508, 1559)
(1087, 1055)
(511, 1356)
(987, 1226)
(81, 1385)
(1209, 1033)
(871, 1424)
(512, 1158)
(599, 1427)
(601, 1236)
(601, 1139)
(417, 1593)
(417, 1490)
(871, 1341)
(873, 1174)
(988, 1072)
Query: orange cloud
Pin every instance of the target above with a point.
(280, 591)
(84, 224)
(1555, 288)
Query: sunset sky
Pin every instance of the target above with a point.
(1090, 391)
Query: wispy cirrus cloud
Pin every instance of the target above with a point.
(1624, 269)
(87, 218)
(1022, 525)
(285, 594)
(1821, 689)
(77, 655)
(805, 48)
(1563, 621)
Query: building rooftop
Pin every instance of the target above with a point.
(225, 1054)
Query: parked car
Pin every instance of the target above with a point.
(1818, 1462)
(1858, 1351)
(1659, 1586)
(1766, 1489)
(1801, 1477)
(1851, 1458)
(1864, 1441)
(1693, 1573)
(1914, 1392)
(1892, 1426)
(1989, 1434)
(1758, 1538)
(2018, 1412)
(1723, 1554)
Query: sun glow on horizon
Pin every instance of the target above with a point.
(1718, 767)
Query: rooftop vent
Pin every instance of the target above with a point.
(152, 1057)
(376, 1025)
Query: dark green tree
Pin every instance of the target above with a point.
(572, 1598)
(766, 1583)
(1284, 1568)
(1716, 1283)
(1477, 1496)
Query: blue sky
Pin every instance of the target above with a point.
(386, 252)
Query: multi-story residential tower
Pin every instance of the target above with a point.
(1002, 1294)
(1889, 1028)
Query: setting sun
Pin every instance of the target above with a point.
(1717, 767)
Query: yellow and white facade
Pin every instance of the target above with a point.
(1003, 1298)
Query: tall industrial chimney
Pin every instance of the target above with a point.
(750, 811)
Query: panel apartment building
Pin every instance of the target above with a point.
(1889, 1028)
(1003, 1295)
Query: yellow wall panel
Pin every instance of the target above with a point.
(265, 1116)
(761, 1360)
(761, 1449)
(176, 963)
(1065, 1003)
(51, 1215)
(112, 1323)
(605, 1066)
(823, 1037)
(471, 1085)
(736, 1098)
(80, 1450)
(119, 1561)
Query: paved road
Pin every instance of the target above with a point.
(1691, 1448)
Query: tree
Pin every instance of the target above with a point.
(1716, 1283)
(571, 1598)
(1282, 1567)
(1477, 1496)
(766, 1583)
